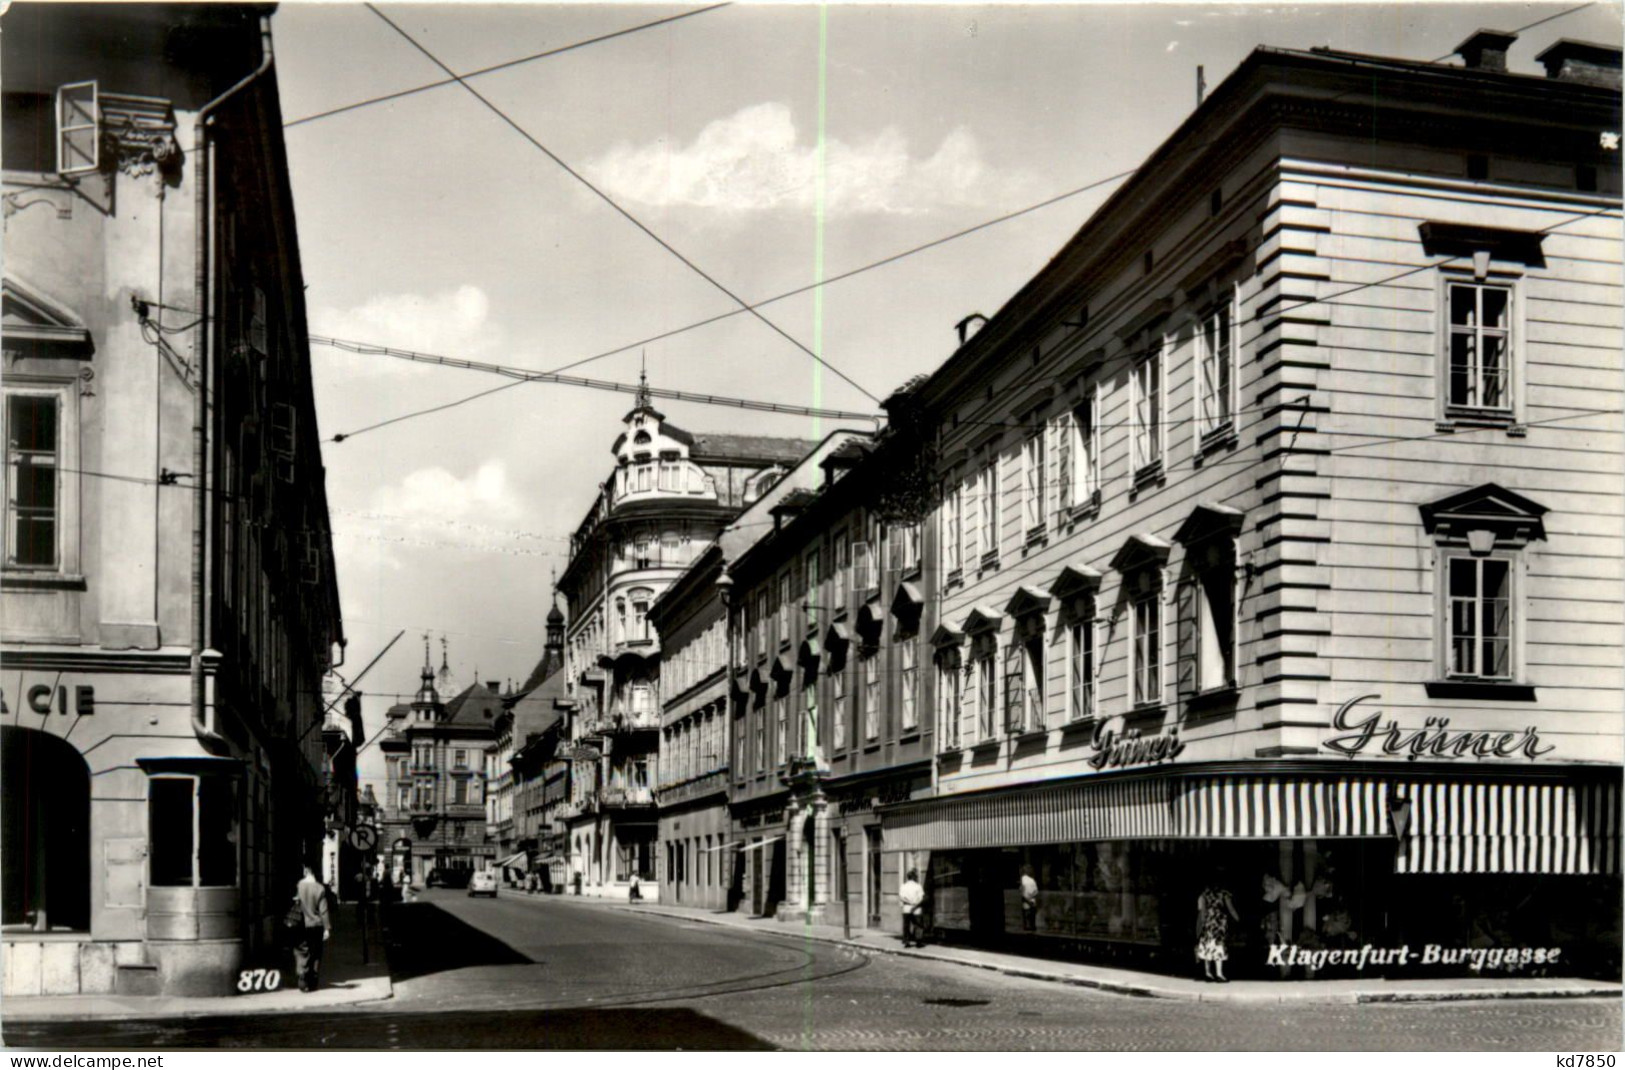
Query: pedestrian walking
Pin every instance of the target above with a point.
(312, 897)
(1029, 900)
(1215, 910)
(912, 898)
(635, 893)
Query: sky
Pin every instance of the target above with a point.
(429, 223)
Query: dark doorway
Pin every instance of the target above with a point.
(810, 856)
(46, 832)
(872, 870)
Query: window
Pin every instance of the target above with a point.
(837, 698)
(1479, 349)
(1033, 674)
(671, 474)
(1080, 695)
(642, 698)
(460, 791)
(761, 621)
(645, 477)
(1014, 688)
(948, 518)
(910, 678)
(810, 602)
(986, 695)
(1480, 607)
(1217, 382)
(459, 759)
(1032, 497)
(948, 697)
(671, 548)
(785, 599)
(781, 714)
(1146, 651)
(987, 500)
(404, 800)
(843, 567)
(640, 614)
(903, 541)
(1145, 423)
(809, 704)
(1216, 625)
(33, 446)
(871, 696)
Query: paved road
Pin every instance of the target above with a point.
(563, 973)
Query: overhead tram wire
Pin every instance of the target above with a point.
(525, 375)
(897, 257)
(386, 97)
(628, 216)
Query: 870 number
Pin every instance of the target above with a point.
(259, 980)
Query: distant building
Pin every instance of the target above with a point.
(666, 499)
(434, 757)
(168, 605)
(829, 629)
(704, 859)
(521, 719)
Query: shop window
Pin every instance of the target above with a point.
(192, 831)
(46, 834)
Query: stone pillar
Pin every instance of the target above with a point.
(821, 843)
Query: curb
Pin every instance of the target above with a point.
(1582, 991)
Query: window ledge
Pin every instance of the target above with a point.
(1029, 734)
(1218, 696)
(1481, 689)
(1085, 509)
(910, 736)
(1081, 724)
(1148, 474)
(990, 562)
(1468, 418)
(870, 748)
(22, 578)
(985, 745)
(1217, 439)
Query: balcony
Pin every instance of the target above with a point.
(623, 721)
(627, 798)
(577, 808)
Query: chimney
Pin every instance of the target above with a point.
(964, 325)
(1486, 50)
(1582, 61)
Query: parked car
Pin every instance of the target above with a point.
(483, 883)
(447, 878)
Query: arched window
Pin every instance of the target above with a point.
(46, 835)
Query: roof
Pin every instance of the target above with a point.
(552, 661)
(537, 711)
(708, 446)
(476, 704)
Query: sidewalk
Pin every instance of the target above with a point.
(349, 976)
(1134, 983)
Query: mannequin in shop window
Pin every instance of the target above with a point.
(1215, 910)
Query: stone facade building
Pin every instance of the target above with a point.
(168, 598)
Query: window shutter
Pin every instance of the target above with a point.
(1167, 597)
(78, 144)
(1185, 637)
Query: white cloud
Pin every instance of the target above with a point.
(755, 161)
(435, 494)
(454, 322)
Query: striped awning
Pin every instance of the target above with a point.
(1467, 827)
(1280, 807)
(1108, 810)
(1449, 826)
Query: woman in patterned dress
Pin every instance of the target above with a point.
(1214, 912)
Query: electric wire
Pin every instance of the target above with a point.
(624, 213)
(384, 98)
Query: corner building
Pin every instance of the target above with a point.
(664, 502)
(168, 603)
(1278, 535)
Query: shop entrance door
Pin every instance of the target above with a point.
(757, 890)
(872, 869)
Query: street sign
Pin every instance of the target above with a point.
(363, 837)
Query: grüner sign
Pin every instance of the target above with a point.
(1435, 739)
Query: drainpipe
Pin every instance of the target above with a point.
(202, 726)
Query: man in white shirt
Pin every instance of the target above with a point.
(1029, 900)
(911, 896)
